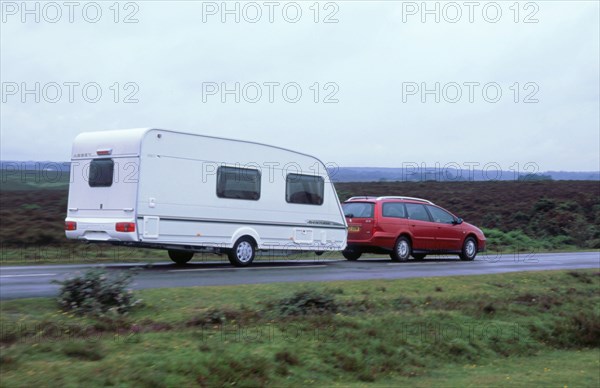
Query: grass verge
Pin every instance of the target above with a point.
(529, 328)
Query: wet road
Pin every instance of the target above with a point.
(35, 281)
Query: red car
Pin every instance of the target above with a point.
(405, 226)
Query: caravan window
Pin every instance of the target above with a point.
(101, 173)
(238, 183)
(305, 189)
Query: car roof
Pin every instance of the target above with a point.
(366, 198)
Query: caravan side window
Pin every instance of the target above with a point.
(238, 183)
(101, 173)
(305, 189)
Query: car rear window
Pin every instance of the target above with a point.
(101, 173)
(359, 209)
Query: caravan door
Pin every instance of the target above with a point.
(102, 199)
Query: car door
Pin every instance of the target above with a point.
(392, 223)
(449, 234)
(422, 229)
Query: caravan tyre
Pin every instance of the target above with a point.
(180, 257)
(243, 252)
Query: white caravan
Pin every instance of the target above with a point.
(189, 193)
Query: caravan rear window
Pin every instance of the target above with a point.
(238, 183)
(101, 173)
(305, 189)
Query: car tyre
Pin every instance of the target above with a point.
(243, 252)
(180, 257)
(469, 249)
(351, 254)
(402, 250)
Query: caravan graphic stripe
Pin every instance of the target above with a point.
(224, 221)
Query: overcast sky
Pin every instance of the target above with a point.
(369, 74)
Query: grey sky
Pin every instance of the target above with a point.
(365, 61)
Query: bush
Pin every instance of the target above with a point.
(307, 302)
(97, 293)
(84, 350)
(579, 331)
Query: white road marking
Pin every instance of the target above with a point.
(235, 269)
(32, 274)
(418, 262)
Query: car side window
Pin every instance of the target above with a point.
(440, 215)
(417, 212)
(394, 209)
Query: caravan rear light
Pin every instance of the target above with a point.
(70, 225)
(104, 151)
(125, 227)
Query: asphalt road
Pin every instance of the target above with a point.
(35, 281)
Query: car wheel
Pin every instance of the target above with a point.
(243, 252)
(351, 254)
(419, 256)
(401, 250)
(469, 249)
(180, 257)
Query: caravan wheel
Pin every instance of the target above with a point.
(180, 257)
(243, 252)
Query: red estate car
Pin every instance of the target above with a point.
(405, 226)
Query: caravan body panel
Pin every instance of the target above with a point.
(186, 191)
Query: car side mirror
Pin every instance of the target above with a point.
(458, 221)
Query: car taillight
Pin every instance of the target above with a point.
(70, 225)
(125, 227)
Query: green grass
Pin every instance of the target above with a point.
(517, 241)
(524, 329)
(78, 253)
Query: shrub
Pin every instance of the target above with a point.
(579, 331)
(287, 358)
(97, 293)
(224, 314)
(84, 350)
(307, 302)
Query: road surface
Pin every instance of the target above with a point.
(35, 281)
